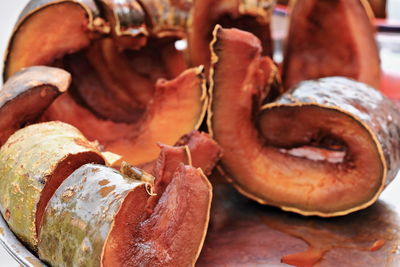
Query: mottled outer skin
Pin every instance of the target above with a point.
(163, 18)
(262, 8)
(80, 215)
(127, 16)
(168, 17)
(361, 102)
(27, 159)
(160, 18)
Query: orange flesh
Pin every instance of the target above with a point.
(96, 88)
(118, 84)
(207, 14)
(154, 232)
(164, 168)
(14, 112)
(175, 110)
(118, 96)
(174, 232)
(260, 170)
(353, 180)
(319, 49)
(66, 109)
(205, 152)
(31, 47)
(124, 228)
(114, 83)
(63, 170)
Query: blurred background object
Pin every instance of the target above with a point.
(393, 9)
(379, 8)
(283, 2)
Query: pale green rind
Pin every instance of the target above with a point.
(27, 160)
(80, 215)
